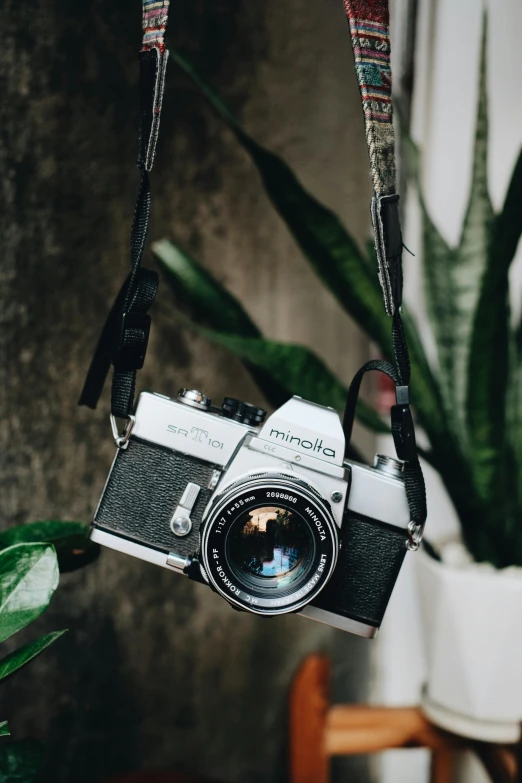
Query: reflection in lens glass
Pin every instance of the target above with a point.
(271, 543)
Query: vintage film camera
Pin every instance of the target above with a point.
(269, 515)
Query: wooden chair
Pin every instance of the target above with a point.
(319, 731)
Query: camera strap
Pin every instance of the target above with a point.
(124, 338)
(369, 22)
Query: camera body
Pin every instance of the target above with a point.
(270, 515)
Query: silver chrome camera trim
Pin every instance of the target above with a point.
(211, 515)
(120, 544)
(338, 621)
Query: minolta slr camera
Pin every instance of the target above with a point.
(268, 513)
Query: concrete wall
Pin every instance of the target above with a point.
(156, 671)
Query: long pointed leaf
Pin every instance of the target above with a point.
(4, 729)
(21, 657)
(28, 578)
(438, 260)
(487, 394)
(340, 264)
(208, 300)
(299, 370)
(216, 307)
(331, 251)
(319, 233)
(472, 254)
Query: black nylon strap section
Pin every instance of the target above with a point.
(403, 431)
(116, 343)
(124, 338)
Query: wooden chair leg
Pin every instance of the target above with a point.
(441, 766)
(309, 703)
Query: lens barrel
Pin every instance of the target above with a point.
(269, 544)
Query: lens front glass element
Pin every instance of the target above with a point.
(270, 546)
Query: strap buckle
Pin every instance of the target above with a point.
(415, 535)
(131, 341)
(403, 431)
(122, 441)
(388, 247)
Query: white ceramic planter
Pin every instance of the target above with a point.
(472, 621)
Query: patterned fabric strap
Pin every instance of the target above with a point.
(155, 17)
(369, 22)
(153, 59)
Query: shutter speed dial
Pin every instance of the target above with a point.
(242, 411)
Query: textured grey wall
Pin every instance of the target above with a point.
(156, 671)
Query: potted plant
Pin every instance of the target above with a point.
(467, 403)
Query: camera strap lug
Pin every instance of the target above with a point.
(415, 535)
(122, 441)
(178, 562)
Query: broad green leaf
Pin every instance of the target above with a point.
(299, 370)
(19, 658)
(21, 762)
(28, 578)
(207, 299)
(4, 729)
(70, 539)
(319, 233)
(213, 305)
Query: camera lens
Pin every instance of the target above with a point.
(269, 544)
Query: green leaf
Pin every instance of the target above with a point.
(213, 305)
(319, 233)
(334, 255)
(19, 658)
(28, 578)
(489, 355)
(210, 303)
(472, 254)
(70, 539)
(4, 729)
(345, 271)
(299, 370)
(208, 300)
(21, 762)
(438, 262)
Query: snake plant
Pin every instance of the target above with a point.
(467, 401)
